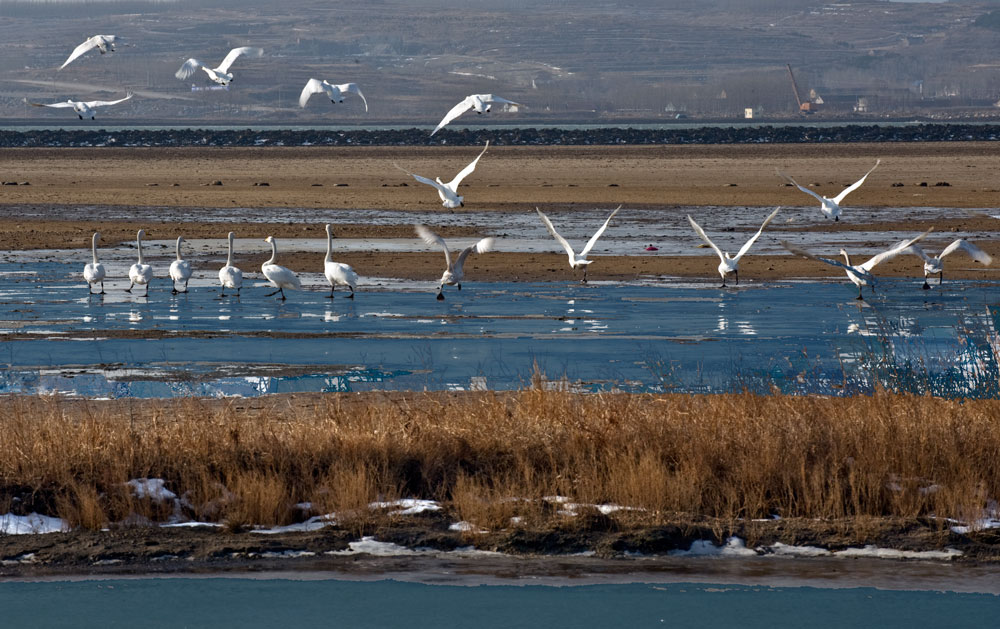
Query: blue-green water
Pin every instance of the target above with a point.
(226, 602)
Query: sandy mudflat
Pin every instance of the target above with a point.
(166, 181)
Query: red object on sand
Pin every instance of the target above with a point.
(651, 248)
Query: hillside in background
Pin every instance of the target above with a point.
(584, 61)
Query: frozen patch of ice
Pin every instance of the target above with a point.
(314, 523)
(466, 527)
(371, 546)
(20, 559)
(152, 488)
(785, 550)
(192, 524)
(408, 506)
(734, 547)
(11, 524)
(888, 553)
(284, 554)
(978, 525)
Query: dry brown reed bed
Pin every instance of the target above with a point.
(490, 456)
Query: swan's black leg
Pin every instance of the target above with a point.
(940, 277)
(926, 286)
(459, 287)
(130, 286)
(282, 291)
(274, 293)
(330, 296)
(440, 296)
(351, 296)
(737, 277)
(102, 288)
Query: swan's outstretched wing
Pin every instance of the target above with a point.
(433, 239)
(892, 253)
(750, 242)
(190, 67)
(88, 45)
(313, 86)
(454, 183)
(68, 103)
(105, 103)
(701, 232)
(974, 252)
(593, 239)
(249, 51)
(562, 241)
(454, 112)
(482, 246)
(805, 254)
(430, 182)
(913, 250)
(806, 190)
(354, 89)
(854, 186)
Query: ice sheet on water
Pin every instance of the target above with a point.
(889, 553)
(371, 546)
(314, 523)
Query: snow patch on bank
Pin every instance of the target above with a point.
(11, 524)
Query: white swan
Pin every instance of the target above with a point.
(221, 73)
(279, 276)
(449, 191)
(140, 273)
(731, 265)
(831, 207)
(859, 274)
(935, 265)
(229, 275)
(180, 269)
(576, 261)
(83, 109)
(454, 273)
(337, 273)
(104, 43)
(480, 103)
(94, 271)
(334, 92)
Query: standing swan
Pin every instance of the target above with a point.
(180, 269)
(140, 273)
(278, 275)
(454, 273)
(229, 275)
(337, 272)
(94, 272)
(730, 264)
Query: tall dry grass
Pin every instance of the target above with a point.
(492, 456)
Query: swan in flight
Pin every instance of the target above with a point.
(94, 271)
(104, 43)
(180, 269)
(480, 103)
(935, 265)
(279, 276)
(449, 191)
(337, 273)
(229, 275)
(334, 92)
(454, 273)
(831, 207)
(83, 109)
(859, 274)
(576, 261)
(730, 265)
(220, 74)
(140, 273)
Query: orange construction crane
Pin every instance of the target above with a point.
(805, 107)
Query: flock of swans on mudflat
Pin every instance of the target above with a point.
(339, 274)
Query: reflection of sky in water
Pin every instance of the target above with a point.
(649, 335)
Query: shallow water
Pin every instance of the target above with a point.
(660, 334)
(218, 602)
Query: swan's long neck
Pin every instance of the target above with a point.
(847, 258)
(178, 248)
(93, 247)
(274, 253)
(229, 259)
(138, 242)
(329, 245)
